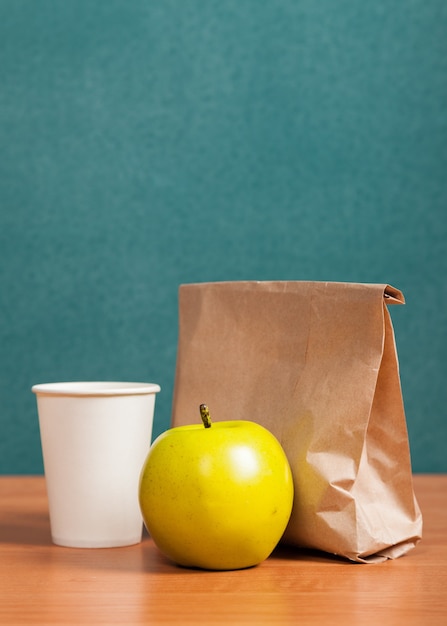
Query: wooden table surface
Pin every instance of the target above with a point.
(41, 583)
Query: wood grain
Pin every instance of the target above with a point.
(45, 584)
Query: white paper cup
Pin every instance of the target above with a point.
(95, 438)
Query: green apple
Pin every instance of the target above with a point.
(216, 495)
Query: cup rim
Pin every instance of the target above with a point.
(95, 388)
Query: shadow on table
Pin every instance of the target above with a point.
(294, 553)
(28, 529)
(33, 529)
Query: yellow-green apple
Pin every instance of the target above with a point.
(216, 495)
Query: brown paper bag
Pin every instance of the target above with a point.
(316, 364)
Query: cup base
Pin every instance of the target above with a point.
(82, 543)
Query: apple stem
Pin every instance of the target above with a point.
(205, 415)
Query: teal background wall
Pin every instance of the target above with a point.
(149, 143)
